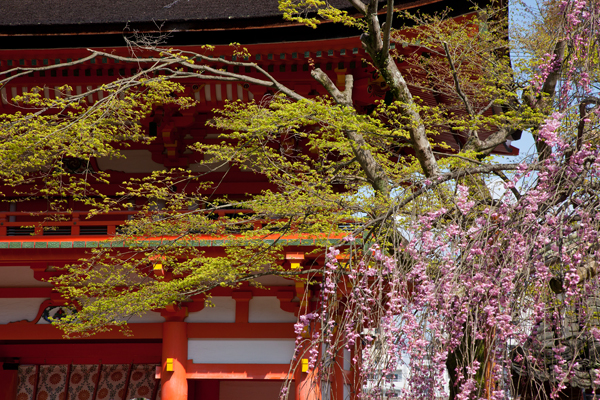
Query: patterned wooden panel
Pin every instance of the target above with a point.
(27, 378)
(112, 382)
(82, 382)
(142, 382)
(52, 382)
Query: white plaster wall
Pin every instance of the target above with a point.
(248, 390)
(147, 318)
(19, 277)
(223, 311)
(13, 310)
(347, 359)
(266, 309)
(241, 351)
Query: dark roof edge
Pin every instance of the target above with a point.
(192, 32)
(141, 26)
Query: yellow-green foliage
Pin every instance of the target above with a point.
(35, 142)
(301, 147)
(301, 11)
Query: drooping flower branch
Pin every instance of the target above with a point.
(484, 299)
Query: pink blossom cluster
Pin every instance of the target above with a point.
(475, 293)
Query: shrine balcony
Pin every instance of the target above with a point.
(37, 226)
(75, 223)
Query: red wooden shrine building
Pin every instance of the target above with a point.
(242, 347)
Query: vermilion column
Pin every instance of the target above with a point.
(308, 386)
(174, 383)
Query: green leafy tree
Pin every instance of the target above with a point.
(332, 166)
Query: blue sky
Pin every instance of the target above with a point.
(526, 144)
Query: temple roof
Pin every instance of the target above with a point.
(62, 12)
(88, 12)
(50, 24)
(36, 17)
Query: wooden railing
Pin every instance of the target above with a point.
(28, 223)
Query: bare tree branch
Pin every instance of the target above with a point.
(548, 90)
(462, 96)
(373, 44)
(455, 175)
(387, 28)
(551, 81)
(343, 98)
(584, 113)
(374, 171)
(359, 5)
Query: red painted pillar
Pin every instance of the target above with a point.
(174, 383)
(308, 383)
(308, 386)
